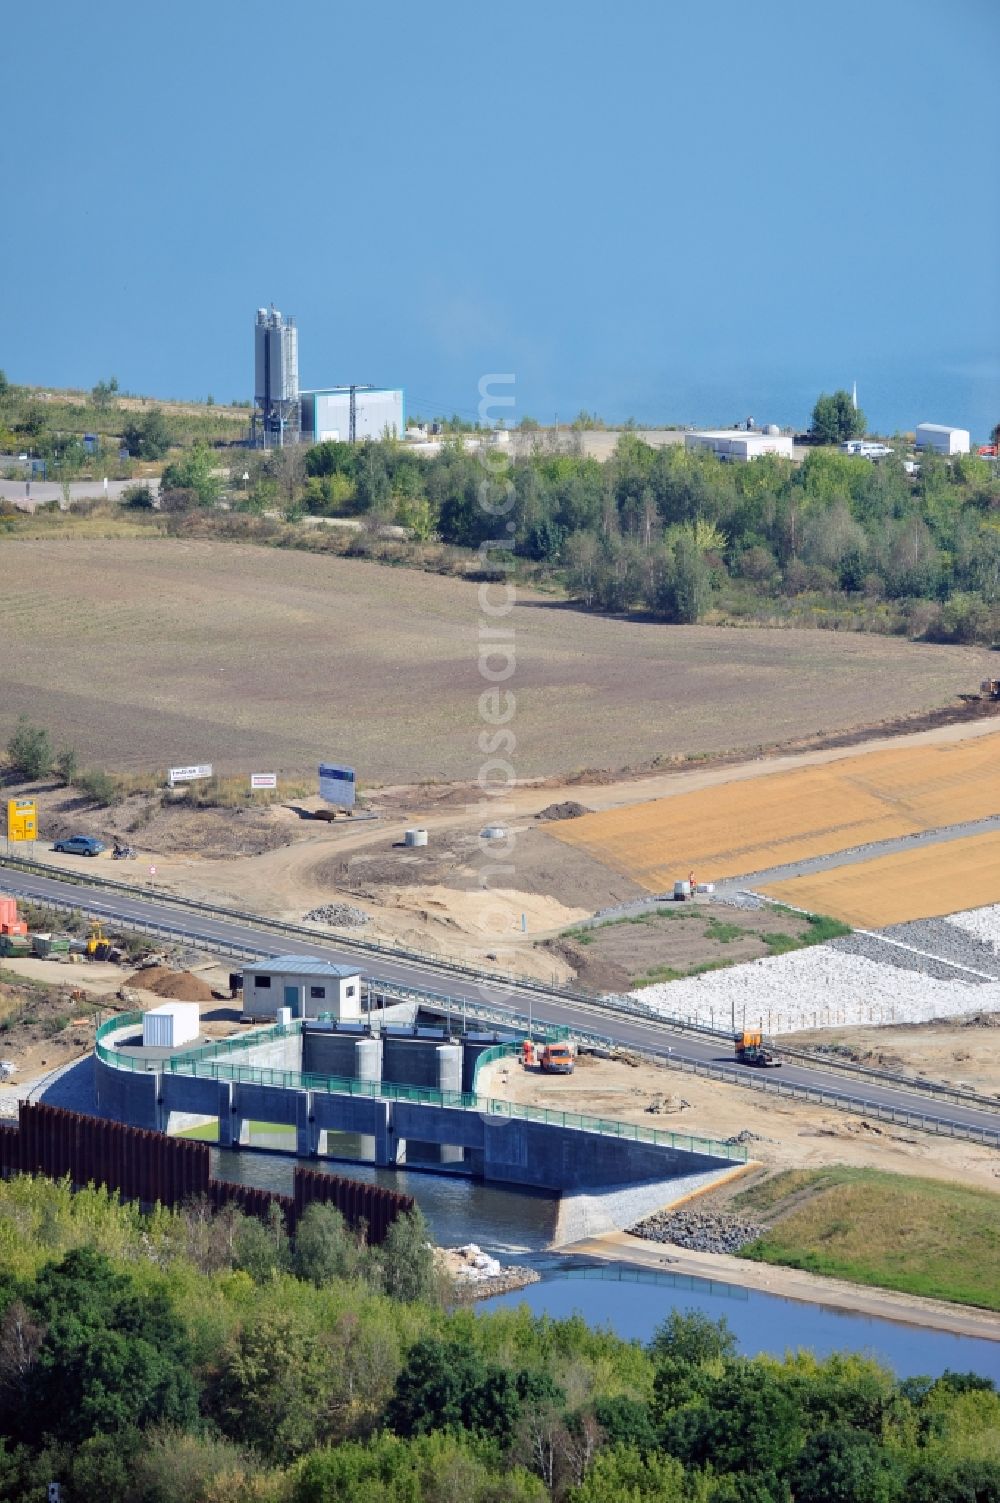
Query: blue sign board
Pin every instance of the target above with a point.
(336, 784)
(90, 442)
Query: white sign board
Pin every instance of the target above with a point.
(263, 780)
(336, 784)
(189, 774)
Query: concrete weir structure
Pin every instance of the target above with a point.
(409, 1093)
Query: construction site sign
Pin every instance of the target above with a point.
(22, 819)
(263, 780)
(189, 774)
(336, 784)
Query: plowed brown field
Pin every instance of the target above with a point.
(922, 883)
(149, 653)
(788, 816)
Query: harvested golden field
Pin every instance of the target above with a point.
(927, 882)
(151, 652)
(744, 827)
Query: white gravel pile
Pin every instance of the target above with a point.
(984, 923)
(820, 987)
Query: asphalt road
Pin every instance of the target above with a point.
(28, 495)
(626, 1031)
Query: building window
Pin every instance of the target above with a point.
(264, 982)
(317, 992)
(349, 991)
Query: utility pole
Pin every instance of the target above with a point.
(353, 423)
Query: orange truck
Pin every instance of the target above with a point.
(551, 1059)
(750, 1050)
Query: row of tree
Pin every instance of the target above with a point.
(191, 1358)
(675, 532)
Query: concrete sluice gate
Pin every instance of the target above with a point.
(402, 1096)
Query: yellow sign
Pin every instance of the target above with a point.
(22, 819)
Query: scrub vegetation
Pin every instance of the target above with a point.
(188, 1358)
(920, 1236)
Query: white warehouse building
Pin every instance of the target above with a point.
(326, 413)
(737, 446)
(307, 987)
(942, 439)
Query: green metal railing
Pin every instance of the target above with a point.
(204, 1064)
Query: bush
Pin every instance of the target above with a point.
(964, 618)
(66, 763)
(138, 497)
(29, 750)
(99, 786)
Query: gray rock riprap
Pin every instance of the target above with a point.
(699, 1231)
(948, 941)
(338, 915)
(873, 947)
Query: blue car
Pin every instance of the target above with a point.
(80, 845)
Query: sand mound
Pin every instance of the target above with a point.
(180, 986)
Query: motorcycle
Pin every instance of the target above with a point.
(123, 852)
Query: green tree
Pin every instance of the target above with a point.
(29, 750)
(692, 1337)
(195, 472)
(325, 1247)
(835, 419)
(625, 1475)
(149, 436)
(112, 1357)
(102, 393)
(261, 1248)
(842, 1465)
(273, 1387)
(406, 1260)
(66, 763)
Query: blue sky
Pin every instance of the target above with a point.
(682, 211)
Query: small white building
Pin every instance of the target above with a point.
(307, 987)
(170, 1025)
(942, 439)
(739, 447)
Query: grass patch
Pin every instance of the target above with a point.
(724, 933)
(208, 1132)
(918, 1236)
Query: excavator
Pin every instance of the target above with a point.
(99, 947)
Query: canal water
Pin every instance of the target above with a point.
(518, 1225)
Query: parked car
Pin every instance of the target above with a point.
(80, 845)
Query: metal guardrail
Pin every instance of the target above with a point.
(466, 1101)
(938, 1089)
(613, 1002)
(502, 1017)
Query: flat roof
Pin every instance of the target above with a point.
(300, 965)
(742, 433)
(360, 391)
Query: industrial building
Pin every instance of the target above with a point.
(282, 414)
(942, 439)
(276, 409)
(738, 446)
(307, 988)
(349, 413)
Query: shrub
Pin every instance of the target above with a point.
(29, 750)
(99, 786)
(66, 763)
(138, 497)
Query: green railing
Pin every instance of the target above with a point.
(204, 1064)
